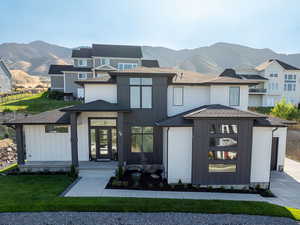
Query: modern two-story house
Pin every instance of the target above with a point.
(277, 80)
(193, 126)
(95, 62)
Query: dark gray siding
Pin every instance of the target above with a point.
(200, 161)
(57, 82)
(70, 79)
(143, 117)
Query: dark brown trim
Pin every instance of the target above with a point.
(20, 144)
(74, 139)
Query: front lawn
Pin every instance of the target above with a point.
(32, 193)
(35, 104)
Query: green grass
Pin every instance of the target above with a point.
(10, 167)
(34, 193)
(35, 104)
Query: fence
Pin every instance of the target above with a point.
(12, 96)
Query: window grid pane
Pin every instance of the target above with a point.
(135, 97)
(234, 96)
(147, 97)
(221, 168)
(178, 96)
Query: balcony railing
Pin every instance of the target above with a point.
(257, 90)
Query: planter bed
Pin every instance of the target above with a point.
(147, 183)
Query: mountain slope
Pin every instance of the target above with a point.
(35, 57)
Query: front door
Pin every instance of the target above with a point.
(103, 143)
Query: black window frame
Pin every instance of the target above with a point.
(140, 86)
(214, 149)
(142, 133)
(53, 129)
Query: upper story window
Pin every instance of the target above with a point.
(126, 66)
(82, 76)
(290, 82)
(274, 75)
(178, 96)
(82, 62)
(234, 96)
(273, 86)
(140, 93)
(104, 61)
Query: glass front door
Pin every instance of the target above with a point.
(103, 143)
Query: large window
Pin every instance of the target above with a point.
(290, 82)
(234, 96)
(223, 147)
(141, 139)
(126, 66)
(141, 93)
(178, 96)
(56, 129)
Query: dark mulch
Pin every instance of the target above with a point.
(148, 183)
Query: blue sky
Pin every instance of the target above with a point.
(175, 24)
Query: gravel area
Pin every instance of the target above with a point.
(91, 218)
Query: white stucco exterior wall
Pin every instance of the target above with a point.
(261, 154)
(193, 97)
(281, 133)
(42, 146)
(179, 154)
(83, 131)
(219, 94)
(106, 92)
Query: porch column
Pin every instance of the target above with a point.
(74, 139)
(20, 144)
(121, 138)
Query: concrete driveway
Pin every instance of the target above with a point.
(286, 186)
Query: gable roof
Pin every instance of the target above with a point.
(96, 106)
(58, 69)
(101, 50)
(185, 119)
(49, 117)
(221, 111)
(284, 65)
(150, 63)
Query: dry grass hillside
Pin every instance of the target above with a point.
(21, 78)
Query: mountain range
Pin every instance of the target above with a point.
(35, 57)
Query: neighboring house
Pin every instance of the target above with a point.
(5, 78)
(95, 62)
(193, 126)
(280, 80)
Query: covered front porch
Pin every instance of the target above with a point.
(96, 132)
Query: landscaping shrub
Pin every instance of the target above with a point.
(7, 110)
(285, 110)
(120, 173)
(73, 172)
(57, 95)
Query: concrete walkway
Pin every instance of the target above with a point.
(94, 186)
(286, 186)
